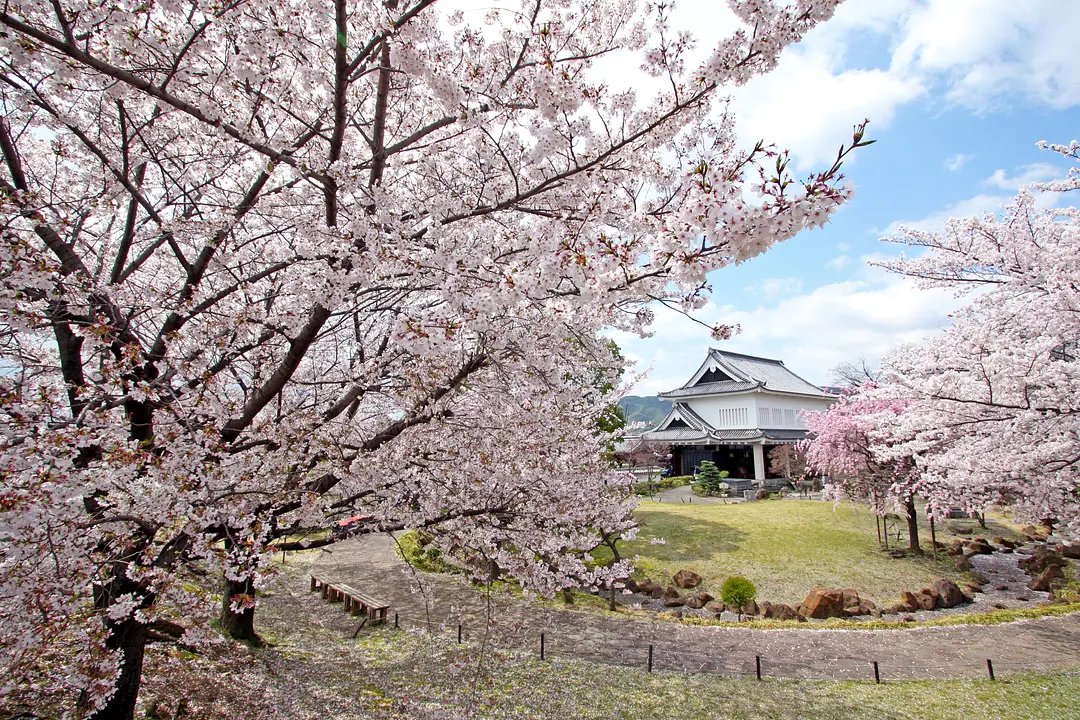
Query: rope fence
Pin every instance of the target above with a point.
(547, 645)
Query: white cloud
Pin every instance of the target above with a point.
(989, 50)
(812, 332)
(843, 247)
(778, 287)
(838, 263)
(957, 162)
(971, 207)
(1036, 172)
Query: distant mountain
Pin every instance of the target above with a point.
(649, 410)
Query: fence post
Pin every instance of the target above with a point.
(395, 621)
(990, 668)
(541, 646)
(757, 662)
(650, 658)
(459, 633)
(877, 674)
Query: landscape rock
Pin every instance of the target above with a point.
(687, 579)
(823, 602)
(631, 585)
(1070, 550)
(750, 608)
(704, 597)
(908, 602)
(715, 606)
(978, 546)
(1035, 533)
(670, 592)
(1044, 581)
(895, 609)
(779, 611)
(674, 602)
(956, 547)
(963, 564)
(998, 540)
(948, 593)
(656, 592)
(927, 599)
(694, 602)
(1036, 563)
(851, 598)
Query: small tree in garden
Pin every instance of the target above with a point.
(736, 592)
(787, 461)
(843, 445)
(710, 477)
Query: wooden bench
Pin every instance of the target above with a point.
(355, 602)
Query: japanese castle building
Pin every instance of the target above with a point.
(733, 411)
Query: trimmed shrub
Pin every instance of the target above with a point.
(651, 487)
(710, 478)
(736, 592)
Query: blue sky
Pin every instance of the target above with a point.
(958, 92)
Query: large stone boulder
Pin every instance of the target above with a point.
(686, 579)
(1039, 534)
(956, 547)
(694, 602)
(1069, 550)
(978, 546)
(704, 597)
(851, 598)
(674, 601)
(779, 611)
(908, 602)
(1036, 563)
(656, 592)
(949, 593)
(823, 602)
(670, 592)
(1003, 542)
(927, 599)
(1044, 582)
(715, 606)
(750, 608)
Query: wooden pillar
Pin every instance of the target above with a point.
(759, 462)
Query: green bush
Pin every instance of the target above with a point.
(710, 478)
(736, 592)
(651, 487)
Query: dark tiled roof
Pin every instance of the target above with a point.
(676, 435)
(715, 388)
(785, 434)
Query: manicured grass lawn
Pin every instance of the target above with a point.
(784, 546)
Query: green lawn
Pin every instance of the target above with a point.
(784, 546)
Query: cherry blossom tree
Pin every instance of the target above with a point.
(269, 265)
(992, 403)
(844, 443)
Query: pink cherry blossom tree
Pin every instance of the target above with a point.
(266, 265)
(992, 407)
(844, 444)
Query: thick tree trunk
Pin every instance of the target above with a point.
(128, 637)
(913, 526)
(239, 625)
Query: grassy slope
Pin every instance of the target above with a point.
(785, 547)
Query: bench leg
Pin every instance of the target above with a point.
(314, 584)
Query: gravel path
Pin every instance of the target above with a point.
(440, 603)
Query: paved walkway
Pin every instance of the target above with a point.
(442, 602)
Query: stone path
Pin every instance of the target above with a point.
(440, 603)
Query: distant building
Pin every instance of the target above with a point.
(733, 411)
